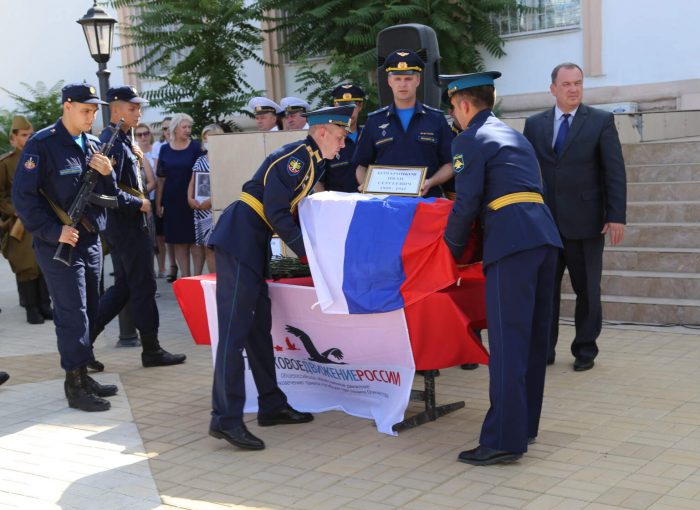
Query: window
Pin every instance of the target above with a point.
(540, 16)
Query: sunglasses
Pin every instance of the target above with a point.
(143, 133)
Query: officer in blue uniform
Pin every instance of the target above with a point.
(241, 240)
(340, 174)
(127, 236)
(407, 132)
(498, 177)
(48, 177)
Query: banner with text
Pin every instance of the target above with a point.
(359, 364)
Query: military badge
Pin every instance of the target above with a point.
(402, 53)
(294, 166)
(347, 86)
(458, 163)
(402, 65)
(30, 162)
(347, 96)
(92, 90)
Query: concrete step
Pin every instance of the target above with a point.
(663, 173)
(647, 284)
(668, 152)
(664, 211)
(670, 235)
(642, 310)
(655, 258)
(663, 191)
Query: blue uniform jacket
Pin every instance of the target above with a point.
(490, 160)
(126, 218)
(53, 162)
(426, 143)
(284, 178)
(340, 173)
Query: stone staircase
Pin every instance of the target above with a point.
(654, 276)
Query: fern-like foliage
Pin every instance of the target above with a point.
(196, 49)
(43, 104)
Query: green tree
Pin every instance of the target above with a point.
(346, 31)
(43, 105)
(5, 124)
(197, 49)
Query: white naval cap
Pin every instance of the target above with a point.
(294, 104)
(259, 105)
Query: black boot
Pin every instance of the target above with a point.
(4, 376)
(29, 293)
(22, 302)
(101, 390)
(44, 299)
(95, 365)
(154, 355)
(77, 394)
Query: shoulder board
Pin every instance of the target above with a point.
(6, 155)
(44, 133)
(430, 108)
(380, 110)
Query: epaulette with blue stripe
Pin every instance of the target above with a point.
(433, 109)
(380, 110)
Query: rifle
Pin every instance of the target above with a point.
(139, 186)
(85, 196)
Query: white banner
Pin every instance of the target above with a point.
(359, 364)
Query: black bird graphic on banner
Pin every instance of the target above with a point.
(314, 355)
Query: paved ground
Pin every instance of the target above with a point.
(624, 435)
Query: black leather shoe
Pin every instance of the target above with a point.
(484, 456)
(581, 364)
(101, 390)
(161, 358)
(79, 397)
(469, 366)
(285, 416)
(238, 436)
(95, 366)
(4, 376)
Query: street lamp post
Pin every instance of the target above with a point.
(98, 28)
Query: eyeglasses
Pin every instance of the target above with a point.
(143, 133)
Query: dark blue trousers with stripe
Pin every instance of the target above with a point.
(245, 320)
(74, 291)
(519, 291)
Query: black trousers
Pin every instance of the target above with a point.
(584, 259)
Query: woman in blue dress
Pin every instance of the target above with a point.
(175, 163)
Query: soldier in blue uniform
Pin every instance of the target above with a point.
(241, 242)
(127, 236)
(48, 177)
(407, 132)
(340, 174)
(498, 177)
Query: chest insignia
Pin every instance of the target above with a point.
(294, 166)
(458, 163)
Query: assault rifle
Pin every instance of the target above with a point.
(85, 196)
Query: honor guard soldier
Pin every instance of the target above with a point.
(340, 174)
(497, 176)
(266, 112)
(241, 242)
(294, 110)
(16, 242)
(407, 132)
(48, 177)
(127, 236)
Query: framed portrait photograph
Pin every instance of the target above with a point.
(202, 186)
(394, 180)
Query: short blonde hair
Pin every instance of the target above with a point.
(177, 119)
(213, 129)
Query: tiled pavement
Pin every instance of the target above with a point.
(624, 435)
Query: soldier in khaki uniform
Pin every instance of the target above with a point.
(16, 243)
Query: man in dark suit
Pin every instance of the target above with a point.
(585, 188)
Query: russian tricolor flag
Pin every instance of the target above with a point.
(371, 254)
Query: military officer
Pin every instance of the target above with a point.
(16, 243)
(241, 242)
(266, 112)
(294, 110)
(339, 175)
(497, 176)
(129, 242)
(48, 177)
(407, 132)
